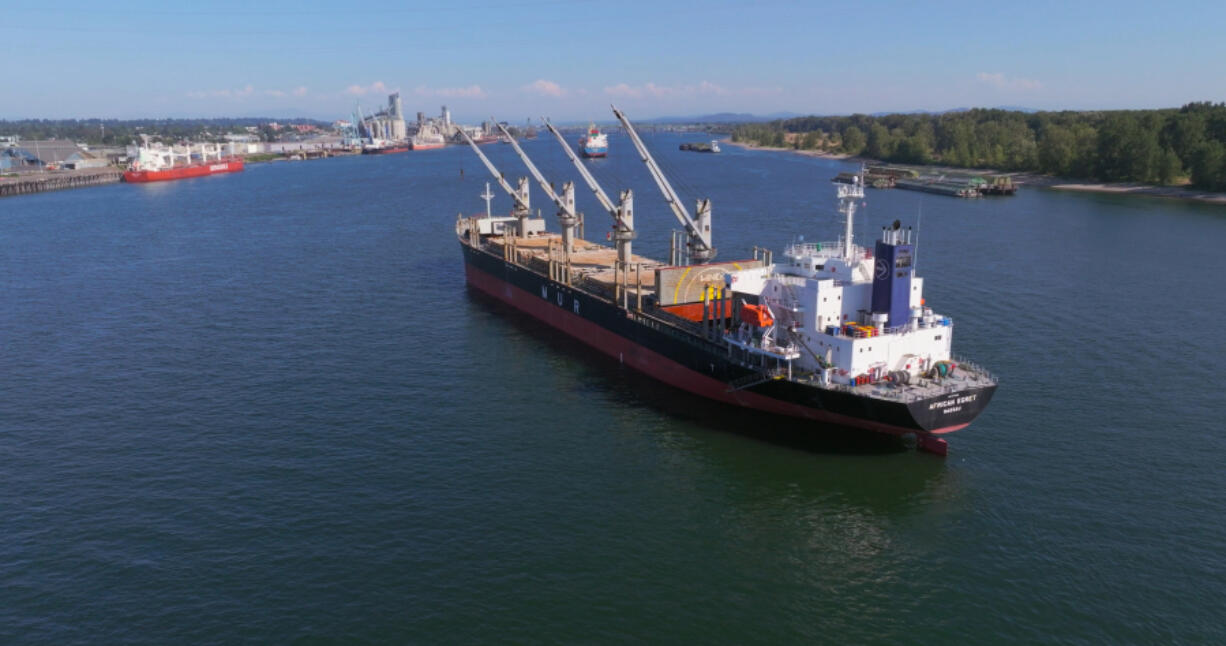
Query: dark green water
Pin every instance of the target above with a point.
(263, 408)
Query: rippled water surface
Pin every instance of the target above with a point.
(264, 408)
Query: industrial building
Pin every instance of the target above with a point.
(47, 153)
(387, 124)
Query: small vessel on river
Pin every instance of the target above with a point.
(700, 147)
(595, 143)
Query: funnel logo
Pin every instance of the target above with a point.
(883, 269)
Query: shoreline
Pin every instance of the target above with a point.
(30, 182)
(1047, 182)
(805, 153)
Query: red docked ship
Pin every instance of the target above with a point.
(163, 164)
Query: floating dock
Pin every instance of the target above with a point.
(938, 187)
(954, 185)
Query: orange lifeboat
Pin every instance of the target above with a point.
(756, 315)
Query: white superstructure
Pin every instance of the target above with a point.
(159, 157)
(428, 137)
(843, 311)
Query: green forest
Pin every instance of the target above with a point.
(121, 132)
(1167, 146)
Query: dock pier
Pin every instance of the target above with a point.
(57, 180)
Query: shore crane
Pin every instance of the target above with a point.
(699, 245)
(622, 212)
(523, 208)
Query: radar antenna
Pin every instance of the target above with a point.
(849, 194)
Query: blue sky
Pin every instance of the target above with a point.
(570, 59)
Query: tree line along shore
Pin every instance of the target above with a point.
(1166, 147)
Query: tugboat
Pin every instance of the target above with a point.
(835, 335)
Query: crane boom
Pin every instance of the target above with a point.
(700, 231)
(362, 123)
(566, 202)
(587, 176)
(540, 179)
(623, 212)
(521, 201)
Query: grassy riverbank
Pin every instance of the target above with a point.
(1034, 180)
(1117, 151)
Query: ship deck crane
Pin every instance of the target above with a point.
(522, 204)
(623, 212)
(700, 248)
(567, 216)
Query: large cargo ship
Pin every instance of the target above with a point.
(383, 147)
(427, 139)
(595, 143)
(836, 334)
(163, 164)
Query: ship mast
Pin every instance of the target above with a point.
(848, 195)
(567, 216)
(522, 206)
(699, 232)
(488, 197)
(623, 212)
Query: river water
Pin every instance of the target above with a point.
(263, 408)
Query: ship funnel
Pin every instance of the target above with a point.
(892, 272)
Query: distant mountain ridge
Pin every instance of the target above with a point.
(746, 117)
(1007, 108)
(726, 117)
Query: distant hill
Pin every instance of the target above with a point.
(746, 117)
(1008, 108)
(726, 117)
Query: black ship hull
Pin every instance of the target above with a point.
(704, 367)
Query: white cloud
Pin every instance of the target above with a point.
(624, 91)
(704, 88)
(470, 92)
(299, 91)
(227, 93)
(377, 88)
(276, 93)
(545, 88)
(1001, 82)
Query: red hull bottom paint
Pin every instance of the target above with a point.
(184, 172)
(666, 370)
